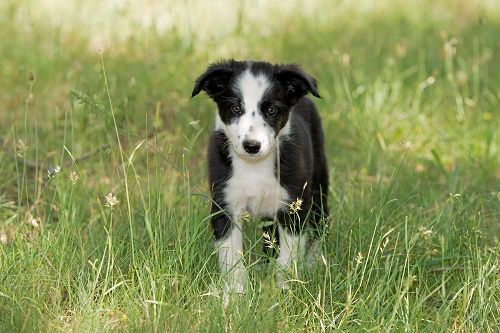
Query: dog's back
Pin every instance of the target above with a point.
(302, 157)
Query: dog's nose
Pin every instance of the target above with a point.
(251, 146)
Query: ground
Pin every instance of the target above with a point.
(104, 202)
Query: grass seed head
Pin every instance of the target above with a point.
(359, 258)
(73, 177)
(245, 216)
(21, 147)
(52, 172)
(424, 232)
(295, 206)
(111, 200)
(268, 241)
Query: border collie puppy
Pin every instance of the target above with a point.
(266, 158)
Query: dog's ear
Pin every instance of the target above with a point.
(296, 82)
(214, 80)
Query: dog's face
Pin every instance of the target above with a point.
(254, 101)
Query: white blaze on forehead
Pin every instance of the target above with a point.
(250, 125)
(252, 88)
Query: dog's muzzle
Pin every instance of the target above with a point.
(251, 146)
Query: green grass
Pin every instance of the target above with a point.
(411, 111)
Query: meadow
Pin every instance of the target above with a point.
(104, 203)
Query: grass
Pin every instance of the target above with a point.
(411, 100)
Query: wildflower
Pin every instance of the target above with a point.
(424, 232)
(268, 242)
(31, 76)
(245, 216)
(295, 206)
(454, 197)
(21, 147)
(111, 200)
(73, 176)
(52, 172)
(359, 258)
(384, 244)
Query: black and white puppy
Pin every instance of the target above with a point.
(266, 158)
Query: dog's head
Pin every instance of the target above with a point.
(254, 101)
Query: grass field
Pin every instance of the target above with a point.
(411, 110)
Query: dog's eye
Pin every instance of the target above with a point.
(271, 111)
(236, 109)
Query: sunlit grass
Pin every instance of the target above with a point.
(104, 204)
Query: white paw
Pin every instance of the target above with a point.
(281, 280)
(230, 289)
(313, 255)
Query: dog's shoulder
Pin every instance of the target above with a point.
(219, 160)
(305, 110)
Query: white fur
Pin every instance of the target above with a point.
(250, 125)
(230, 261)
(292, 247)
(219, 125)
(292, 250)
(253, 187)
(313, 253)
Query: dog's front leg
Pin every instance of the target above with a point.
(229, 243)
(231, 262)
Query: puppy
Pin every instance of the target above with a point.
(265, 157)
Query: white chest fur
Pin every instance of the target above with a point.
(253, 187)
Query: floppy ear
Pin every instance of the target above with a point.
(214, 80)
(296, 82)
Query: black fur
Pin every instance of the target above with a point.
(303, 161)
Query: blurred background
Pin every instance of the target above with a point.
(95, 100)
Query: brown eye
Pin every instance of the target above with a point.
(271, 111)
(236, 109)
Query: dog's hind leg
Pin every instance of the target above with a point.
(319, 210)
(292, 250)
(293, 241)
(318, 222)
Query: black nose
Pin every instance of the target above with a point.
(251, 146)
